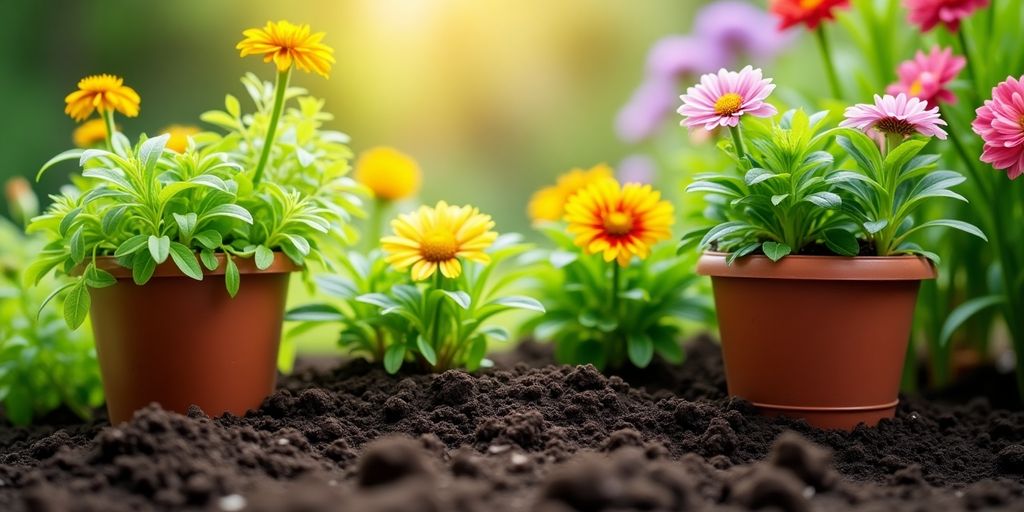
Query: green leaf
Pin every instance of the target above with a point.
(669, 348)
(779, 198)
(394, 356)
(873, 227)
(112, 219)
(264, 257)
(477, 352)
(98, 278)
(231, 277)
(186, 261)
(426, 350)
(775, 251)
(232, 106)
(521, 302)
(315, 313)
(159, 248)
(637, 294)
(142, 267)
(964, 312)
(78, 244)
(842, 242)
(186, 223)
(640, 349)
(377, 299)
(70, 154)
(498, 333)
(955, 224)
(209, 259)
(722, 230)
(131, 245)
(211, 239)
(825, 199)
(150, 152)
(54, 294)
(459, 297)
(229, 210)
(67, 221)
(76, 305)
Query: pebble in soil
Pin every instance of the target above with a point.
(527, 437)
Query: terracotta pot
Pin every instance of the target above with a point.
(821, 338)
(178, 342)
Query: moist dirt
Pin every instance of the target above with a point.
(527, 436)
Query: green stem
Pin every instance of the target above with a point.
(279, 90)
(826, 57)
(376, 223)
(436, 338)
(737, 141)
(108, 123)
(615, 287)
(972, 74)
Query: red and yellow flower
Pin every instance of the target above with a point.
(808, 12)
(618, 222)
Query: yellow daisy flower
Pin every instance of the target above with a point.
(178, 141)
(619, 222)
(288, 44)
(89, 134)
(548, 203)
(435, 238)
(390, 174)
(103, 93)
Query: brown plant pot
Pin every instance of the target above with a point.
(178, 342)
(821, 338)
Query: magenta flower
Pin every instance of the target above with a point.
(895, 115)
(720, 99)
(1000, 123)
(928, 13)
(926, 76)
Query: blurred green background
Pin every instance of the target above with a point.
(494, 98)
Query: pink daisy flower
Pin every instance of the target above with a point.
(1000, 123)
(895, 115)
(928, 13)
(927, 76)
(720, 99)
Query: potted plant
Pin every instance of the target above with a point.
(814, 270)
(183, 258)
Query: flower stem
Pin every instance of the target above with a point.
(376, 223)
(830, 68)
(737, 141)
(108, 123)
(972, 75)
(279, 89)
(615, 287)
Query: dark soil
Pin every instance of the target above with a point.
(532, 436)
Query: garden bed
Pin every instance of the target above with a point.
(528, 436)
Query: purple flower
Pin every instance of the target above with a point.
(646, 110)
(637, 168)
(671, 57)
(736, 29)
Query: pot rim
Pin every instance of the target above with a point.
(819, 268)
(282, 265)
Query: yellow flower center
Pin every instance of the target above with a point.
(916, 88)
(728, 104)
(618, 223)
(439, 246)
(810, 4)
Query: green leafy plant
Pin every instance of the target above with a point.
(591, 320)
(804, 188)
(43, 364)
(885, 192)
(147, 204)
(440, 323)
(780, 199)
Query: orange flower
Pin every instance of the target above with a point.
(103, 93)
(178, 141)
(285, 44)
(618, 221)
(548, 203)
